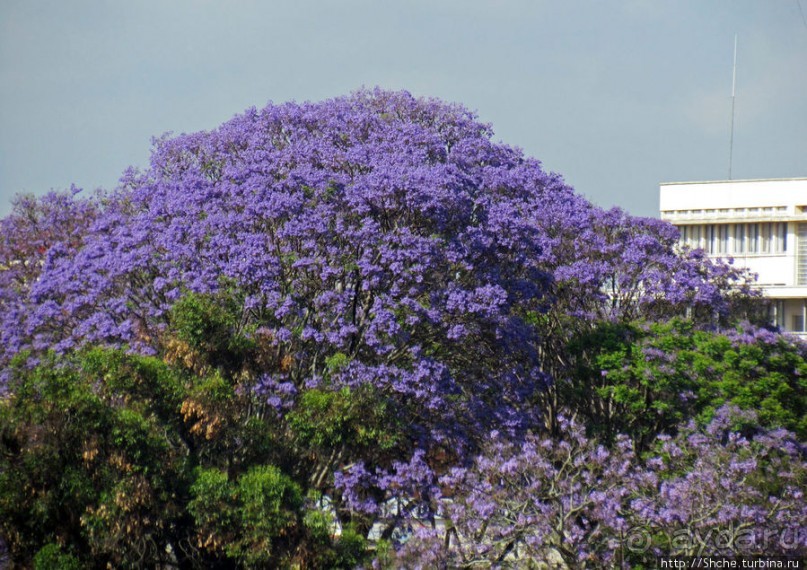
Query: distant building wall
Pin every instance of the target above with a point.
(761, 224)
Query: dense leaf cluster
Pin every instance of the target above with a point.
(121, 460)
(643, 379)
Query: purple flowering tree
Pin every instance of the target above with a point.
(574, 503)
(542, 499)
(729, 489)
(37, 228)
(378, 252)
(359, 224)
(611, 270)
(370, 282)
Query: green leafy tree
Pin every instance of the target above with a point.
(89, 460)
(642, 379)
(109, 458)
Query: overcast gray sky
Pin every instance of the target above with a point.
(616, 95)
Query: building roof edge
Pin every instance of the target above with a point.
(732, 181)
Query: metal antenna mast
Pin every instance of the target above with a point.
(733, 92)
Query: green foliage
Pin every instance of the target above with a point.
(350, 549)
(213, 326)
(204, 321)
(324, 418)
(44, 486)
(336, 362)
(769, 377)
(153, 388)
(126, 461)
(269, 504)
(319, 525)
(643, 379)
(51, 557)
(93, 454)
(246, 519)
(347, 551)
(354, 418)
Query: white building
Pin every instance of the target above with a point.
(762, 224)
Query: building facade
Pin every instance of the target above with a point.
(761, 224)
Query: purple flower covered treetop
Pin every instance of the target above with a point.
(376, 241)
(363, 219)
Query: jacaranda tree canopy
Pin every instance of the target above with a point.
(295, 323)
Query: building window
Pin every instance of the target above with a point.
(801, 249)
(765, 238)
(753, 237)
(778, 316)
(717, 238)
(747, 238)
(781, 237)
(683, 235)
(695, 236)
(711, 238)
(723, 244)
(739, 238)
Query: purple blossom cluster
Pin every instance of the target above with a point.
(37, 230)
(362, 223)
(572, 501)
(608, 265)
(748, 334)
